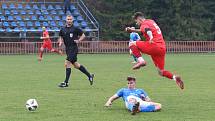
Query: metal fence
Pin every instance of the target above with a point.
(10, 48)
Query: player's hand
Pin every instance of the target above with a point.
(151, 41)
(129, 29)
(108, 104)
(77, 41)
(60, 44)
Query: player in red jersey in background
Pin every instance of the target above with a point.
(153, 46)
(47, 44)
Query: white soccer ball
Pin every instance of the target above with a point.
(31, 104)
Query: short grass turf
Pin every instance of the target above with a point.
(23, 77)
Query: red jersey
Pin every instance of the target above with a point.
(156, 32)
(45, 34)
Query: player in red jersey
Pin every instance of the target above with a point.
(153, 46)
(47, 44)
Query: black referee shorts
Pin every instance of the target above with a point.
(72, 55)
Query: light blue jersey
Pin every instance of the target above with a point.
(125, 92)
(134, 36)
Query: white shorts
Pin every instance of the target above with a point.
(143, 104)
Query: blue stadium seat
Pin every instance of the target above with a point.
(29, 24)
(56, 29)
(8, 29)
(60, 23)
(76, 24)
(58, 7)
(30, 12)
(53, 24)
(83, 24)
(0, 12)
(4, 6)
(19, 6)
(40, 29)
(3, 18)
(80, 19)
(43, 7)
(87, 29)
(45, 24)
(45, 12)
(23, 12)
(41, 18)
(7, 12)
(49, 18)
(1, 29)
(50, 7)
(72, 7)
(32, 29)
(18, 18)
(27, 7)
(33, 17)
(22, 24)
(27, 18)
(57, 18)
(6, 24)
(10, 18)
(15, 12)
(13, 24)
(75, 13)
(16, 29)
(38, 12)
(12, 6)
(64, 17)
(60, 12)
(37, 24)
(53, 12)
(35, 7)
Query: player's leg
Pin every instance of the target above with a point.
(133, 56)
(41, 50)
(54, 50)
(84, 70)
(68, 65)
(149, 106)
(135, 48)
(159, 62)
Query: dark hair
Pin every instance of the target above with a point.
(129, 78)
(138, 14)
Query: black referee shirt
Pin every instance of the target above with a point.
(69, 34)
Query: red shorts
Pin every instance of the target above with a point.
(155, 50)
(47, 45)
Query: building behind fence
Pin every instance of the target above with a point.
(96, 47)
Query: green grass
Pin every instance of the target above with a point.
(22, 77)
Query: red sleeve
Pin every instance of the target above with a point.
(143, 27)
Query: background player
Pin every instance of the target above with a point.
(136, 100)
(153, 46)
(134, 36)
(47, 44)
(71, 35)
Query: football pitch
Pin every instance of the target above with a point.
(23, 77)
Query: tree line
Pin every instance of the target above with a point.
(178, 19)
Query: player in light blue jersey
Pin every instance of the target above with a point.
(136, 100)
(134, 37)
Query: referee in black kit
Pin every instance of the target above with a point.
(71, 35)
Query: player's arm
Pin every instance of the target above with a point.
(149, 33)
(60, 41)
(81, 36)
(110, 100)
(131, 29)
